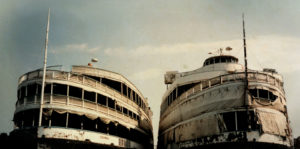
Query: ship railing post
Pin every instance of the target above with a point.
(82, 98)
(25, 98)
(68, 92)
(200, 86)
(96, 102)
(235, 119)
(67, 120)
(52, 74)
(36, 92)
(68, 77)
(51, 93)
(107, 109)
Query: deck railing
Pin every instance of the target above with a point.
(69, 102)
(82, 80)
(228, 78)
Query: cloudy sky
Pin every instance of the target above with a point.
(144, 39)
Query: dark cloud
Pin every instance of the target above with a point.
(130, 24)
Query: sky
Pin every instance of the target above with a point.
(143, 39)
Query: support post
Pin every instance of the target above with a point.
(44, 71)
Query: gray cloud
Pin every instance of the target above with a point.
(81, 29)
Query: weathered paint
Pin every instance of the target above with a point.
(88, 136)
(139, 122)
(196, 118)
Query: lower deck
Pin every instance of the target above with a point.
(232, 145)
(62, 138)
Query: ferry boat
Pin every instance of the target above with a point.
(216, 106)
(224, 105)
(87, 107)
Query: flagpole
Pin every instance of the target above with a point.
(44, 71)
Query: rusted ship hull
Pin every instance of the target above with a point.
(208, 108)
(237, 145)
(56, 138)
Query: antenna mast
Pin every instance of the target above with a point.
(245, 58)
(44, 71)
(246, 76)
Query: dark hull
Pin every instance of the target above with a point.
(234, 145)
(28, 139)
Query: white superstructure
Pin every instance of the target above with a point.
(88, 106)
(207, 108)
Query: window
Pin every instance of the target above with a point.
(130, 113)
(93, 77)
(113, 84)
(59, 89)
(124, 90)
(119, 108)
(134, 116)
(47, 89)
(58, 119)
(129, 93)
(88, 124)
(134, 96)
(139, 101)
(90, 96)
(229, 120)
(253, 92)
(75, 92)
(206, 63)
(217, 60)
(39, 89)
(23, 92)
(211, 61)
(264, 94)
(174, 94)
(242, 120)
(125, 111)
(101, 99)
(184, 88)
(111, 103)
(74, 121)
(239, 120)
(223, 60)
(31, 90)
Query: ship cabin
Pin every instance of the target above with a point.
(220, 59)
(86, 99)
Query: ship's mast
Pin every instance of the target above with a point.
(246, 77)
(245, 52)
(44, 71)
(245, 58)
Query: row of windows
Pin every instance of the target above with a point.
(239, 121)
(177, 92)
(61, 89)
(29, 118)
(264, 94)
(221, 59)
(122, 89)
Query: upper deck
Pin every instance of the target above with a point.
(222, 66)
